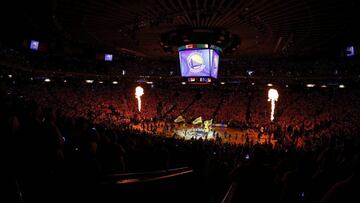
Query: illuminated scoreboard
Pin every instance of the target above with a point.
(199, 62)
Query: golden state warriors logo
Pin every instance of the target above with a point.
(195, 63)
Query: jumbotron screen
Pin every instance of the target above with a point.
(199, 63)
(34, 45)
(215, 64)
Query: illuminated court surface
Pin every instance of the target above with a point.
(232, 135)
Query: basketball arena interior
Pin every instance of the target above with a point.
(199, 101)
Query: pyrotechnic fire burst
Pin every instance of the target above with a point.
(139, 91)
(273, 96)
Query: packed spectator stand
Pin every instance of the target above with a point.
(76, 142)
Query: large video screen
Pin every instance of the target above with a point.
(215, 64)
(350, 51)
(108, 57)
(34, 45)
(199, 63)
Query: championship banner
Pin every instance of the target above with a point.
(179, 119)
(197, 121)
(207, 125)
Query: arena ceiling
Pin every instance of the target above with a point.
(265, 27)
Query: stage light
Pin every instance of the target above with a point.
(101, 82)
(250, 72)
(223, 83)
(310, 85)
(323, 86)
(341, 86)
(269, 85)
(149, 82)
(47, 80)
(115, 82)
(139, 91)
(183, 83)
(65, 81)
(273, 96)
(252, 83)
(89, 81)
(10, 76)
